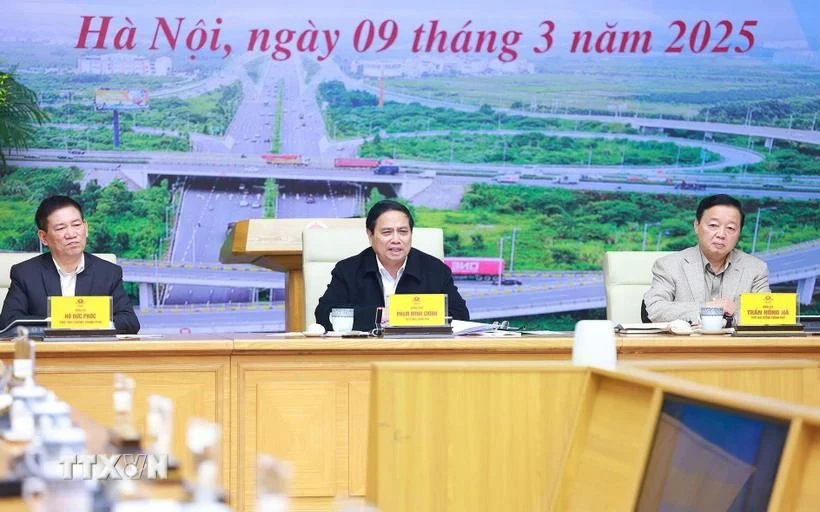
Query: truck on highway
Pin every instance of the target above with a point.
(566, 180)
(386, 169)
(508, 178)
(286, 159)
(479, 269)
(356, 163)
(683, 185)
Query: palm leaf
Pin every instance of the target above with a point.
(19, 112)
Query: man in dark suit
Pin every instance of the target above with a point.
(388, 266)
(66, 270)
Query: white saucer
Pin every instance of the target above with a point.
(16, 437)
(722, 330)
(309, 334)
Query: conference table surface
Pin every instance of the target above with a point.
(629, 346)
(306, 399)
(560, 345)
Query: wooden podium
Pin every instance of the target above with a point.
(276, 244)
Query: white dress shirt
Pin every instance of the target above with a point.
(388, 282)
(68, 280)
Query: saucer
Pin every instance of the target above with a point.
(722, 330)
(16, 436)
(312, 334)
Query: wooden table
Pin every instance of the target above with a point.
(306, 400)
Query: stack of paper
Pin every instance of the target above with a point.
(462, 327)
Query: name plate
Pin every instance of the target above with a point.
(80, 312)
(767, 309)
(424, 309)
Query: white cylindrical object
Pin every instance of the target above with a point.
(23, 368)
(594, 344)
(272, 503)
(122, 401)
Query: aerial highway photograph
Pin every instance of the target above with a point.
(536, 154)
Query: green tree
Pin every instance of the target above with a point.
(477, 242)
(90, 196)
(19, 112)
(375, 197)
(486, 110)
(452, 244)
(114, 200)
(271, 198)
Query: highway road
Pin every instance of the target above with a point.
(208, 206)
(619, 179)
(785, 266)
(540, 293)
(753, 130)
(302, 123)
(649, 179)
(317, 199)
(249, 276)
(213, 273)
(587, 293)
(270, 316)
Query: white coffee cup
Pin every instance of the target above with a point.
(29, 394)
(594, 344)
(55, 413)
(711, 318)
(341, 319)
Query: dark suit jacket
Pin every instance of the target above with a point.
(355, 283)
(34, 280)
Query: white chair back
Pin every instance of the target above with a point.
(627, 276)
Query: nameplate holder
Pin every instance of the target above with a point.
(80, 312)
(421, 309)
(767, 309)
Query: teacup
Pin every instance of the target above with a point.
(342, 319)
(711, 318)
(51, 413)
(29, 394)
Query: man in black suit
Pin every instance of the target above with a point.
(388, 266)
(66, 270)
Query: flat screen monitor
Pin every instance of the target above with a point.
(35, 327)
(705, 457)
